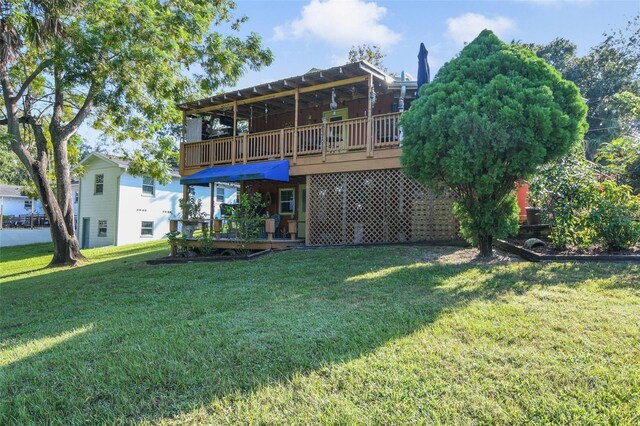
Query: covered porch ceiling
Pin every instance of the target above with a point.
(350, 82)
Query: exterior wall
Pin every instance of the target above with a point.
(273, 189)
(377, 206)
(230, 197)
(134, 207)
(99, 207)
(313, 115)
(14, 206)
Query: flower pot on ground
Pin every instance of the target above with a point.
(293, 228)
(533, 215)
(191, 212)
(188, 228)
(217, 227)
(270, 227)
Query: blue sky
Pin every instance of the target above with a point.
(319, 33)
(304, 34)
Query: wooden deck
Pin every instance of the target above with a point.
(373, 142)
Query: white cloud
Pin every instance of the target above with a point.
(342, 23)
(465, 28)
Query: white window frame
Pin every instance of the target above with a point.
(147, 185)
(28, 204)
(292, 202)
(100, 227)
(96, 183)
(220, 197)
(144, 228)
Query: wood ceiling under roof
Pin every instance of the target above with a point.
(278, 96)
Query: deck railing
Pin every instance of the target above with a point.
(356, 134)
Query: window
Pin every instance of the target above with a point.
(102, 228)
(220, 195)
(287, 201)
(28, 204)
(148, 186)
(99, 184)
(146, 230)
(76, 196)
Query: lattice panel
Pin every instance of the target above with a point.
(376, 206)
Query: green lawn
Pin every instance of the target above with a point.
(348, 336)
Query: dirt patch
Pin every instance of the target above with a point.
(458, 256)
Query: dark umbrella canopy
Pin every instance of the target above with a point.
(424, 76)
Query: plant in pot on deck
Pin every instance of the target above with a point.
(192, 211)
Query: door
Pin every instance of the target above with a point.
(86, 229)
(302, 211)
(337, 134)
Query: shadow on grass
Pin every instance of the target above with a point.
(162, 340)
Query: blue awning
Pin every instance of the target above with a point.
(269, 170)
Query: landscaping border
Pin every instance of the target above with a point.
(181, 260)
(535, 257)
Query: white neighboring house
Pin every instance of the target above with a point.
(13, 202)
(117, 208)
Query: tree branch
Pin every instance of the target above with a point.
(83, 112)
(44, 64)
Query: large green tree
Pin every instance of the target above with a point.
(490, 117)
(609, 79)
(121, 66)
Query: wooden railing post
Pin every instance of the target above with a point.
(323, 140)
(282, 144)
(295, 126)
(233, 151)
(182, 158)
(212, 155)
(245, 143)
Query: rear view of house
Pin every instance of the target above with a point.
(323, 149)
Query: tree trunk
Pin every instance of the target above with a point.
(485, 244)
(59, 210)
(66, 249)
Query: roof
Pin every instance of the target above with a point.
(11, 191)
(312, 78)
(120, 162)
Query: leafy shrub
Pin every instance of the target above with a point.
(205, 243)
(181, 242)
(584, 208)
(247, 216)
(565, 191)
(614, 216)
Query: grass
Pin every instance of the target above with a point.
(342, 336)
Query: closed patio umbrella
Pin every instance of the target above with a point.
(424, 76)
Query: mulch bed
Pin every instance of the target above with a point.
(549, 253)
(213, 258)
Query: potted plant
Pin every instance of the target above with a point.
(192, 213)
(534, 203)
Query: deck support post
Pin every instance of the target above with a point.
(369, 118)
(235, 130)
(183, 139)
(245, 148)
(185, 197)
(212, 203)
(295, 126)
(307, 227)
